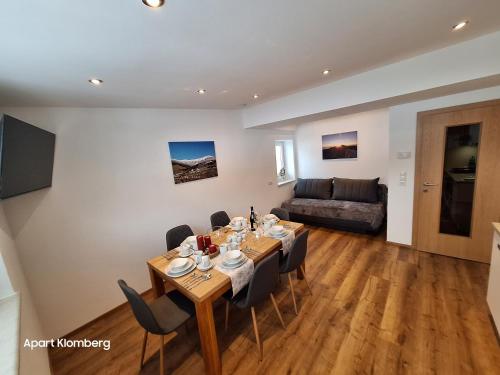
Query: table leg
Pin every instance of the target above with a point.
(300, 274)
(156, 283)
(208, 337)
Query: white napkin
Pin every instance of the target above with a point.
(191, 240)
(271, 217)
(286, 242)
(240, 276)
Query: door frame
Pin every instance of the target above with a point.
(418, 178)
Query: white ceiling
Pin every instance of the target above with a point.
(232, 48)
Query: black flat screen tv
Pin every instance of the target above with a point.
(26, 157)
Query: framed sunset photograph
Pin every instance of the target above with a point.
(340, 145)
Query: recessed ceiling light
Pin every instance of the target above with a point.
(153, 3)
(95, 81)
(460, 25)
(326, 72)
(201, 91)
(256, 96)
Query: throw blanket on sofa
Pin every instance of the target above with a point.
(370, 213)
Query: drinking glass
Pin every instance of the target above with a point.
(217, 232)
(258, 232)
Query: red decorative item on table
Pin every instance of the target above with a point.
(212, 249)
(200, 242)
(208, 241)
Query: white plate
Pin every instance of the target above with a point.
(277, 232)
(242, 259)
(233, 261)
(201, 268)
(234, 266)
(191, 252)
(189, 263)
(233, 257)
(234, 229)
(193, 266)
(277, 228)
(179, 264)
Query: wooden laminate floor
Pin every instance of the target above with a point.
(377, 309)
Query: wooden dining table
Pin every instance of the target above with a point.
(204, 294)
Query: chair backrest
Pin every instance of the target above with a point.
(264, 280)
(219, 219)
(141, 310)
(297, 252)
(175, 236)
(281, 213)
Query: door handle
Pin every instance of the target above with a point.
(430, 184)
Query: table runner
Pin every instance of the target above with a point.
(286, 242)
(240, 276)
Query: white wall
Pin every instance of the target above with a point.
(475, 59)
(113, 197)
(5, 285)
(30, 362)
(402, 137)
(373, 146)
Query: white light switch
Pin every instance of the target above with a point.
(404, 155)
(402, 178)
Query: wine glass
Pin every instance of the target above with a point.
(257, 219)
(216, 232)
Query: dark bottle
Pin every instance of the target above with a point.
(252, 218)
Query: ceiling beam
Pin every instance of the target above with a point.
(465, 66)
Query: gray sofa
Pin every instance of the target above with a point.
(345, 204)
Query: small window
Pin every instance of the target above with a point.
(285, 161)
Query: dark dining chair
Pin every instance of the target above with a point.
(281, 213)
(161, 317)
(175, 236)
(219, 219)
(294, 260)
(261, 285)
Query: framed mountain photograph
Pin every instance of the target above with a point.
(340, 145)
(193, 161)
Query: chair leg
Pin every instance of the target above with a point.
(227, 316)
(277, 311)
(144, 342)
(307, 281)
(162, 360)
(257, 337)
(293, 293)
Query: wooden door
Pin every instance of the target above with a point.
(457, 180)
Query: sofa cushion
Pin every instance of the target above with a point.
(372, 214)
(354, 190)
(313, 188)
